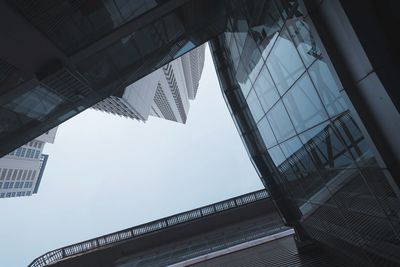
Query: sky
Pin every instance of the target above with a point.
(106, 173)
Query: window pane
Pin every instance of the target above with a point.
(280, 122)
(291, 146)
(327, 88)
(234, 53)
(264, 33)
(284, 63)
(303, 104)
(243, 79)
(36, 104)
(328, 151)
(255, 106)
(266, 133)
(276, 155)
(265, 89)
(304, 41)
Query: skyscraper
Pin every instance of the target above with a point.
(164, 93)
(21, 170)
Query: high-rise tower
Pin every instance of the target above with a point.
(164, 93)
(21, 170)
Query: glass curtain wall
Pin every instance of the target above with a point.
(317, 153)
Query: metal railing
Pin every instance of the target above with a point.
(136, 231)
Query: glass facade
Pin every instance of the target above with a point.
(73, 25)
(305, 143)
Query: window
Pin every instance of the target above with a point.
(255, 106)
(276, 155)
(303, 105)
(9, 174)
(2, 195)
(266, 133)
(327, 88)
(280, 122)
(304, 41)
(29, 153)
(36, 103)
(284, 63)
(3, 174)
(265, 89)
(18, 152)
(8, 194)
(14, 176)
(6, 184)
(19, 175)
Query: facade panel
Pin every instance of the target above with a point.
(303, 136)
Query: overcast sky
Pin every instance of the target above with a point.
(106, 173)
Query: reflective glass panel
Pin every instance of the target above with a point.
(280, 122)
(266, 132)
(277, 156)
(306, 136)
(303, 104)
(255, 106)
(291, 147)
(284, 63)
(264, 31)
(303, 40)
(328, 151)
(35, 104)
(327, 88)
(245, 86)
(241, 27)
(354, 140)
(234, 53)
(250, 54)
(265, 89)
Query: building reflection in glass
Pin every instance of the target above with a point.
(313, 149)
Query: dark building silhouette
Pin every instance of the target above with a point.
(311, 85)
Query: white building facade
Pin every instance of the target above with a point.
(21, 170)
(165, 93)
